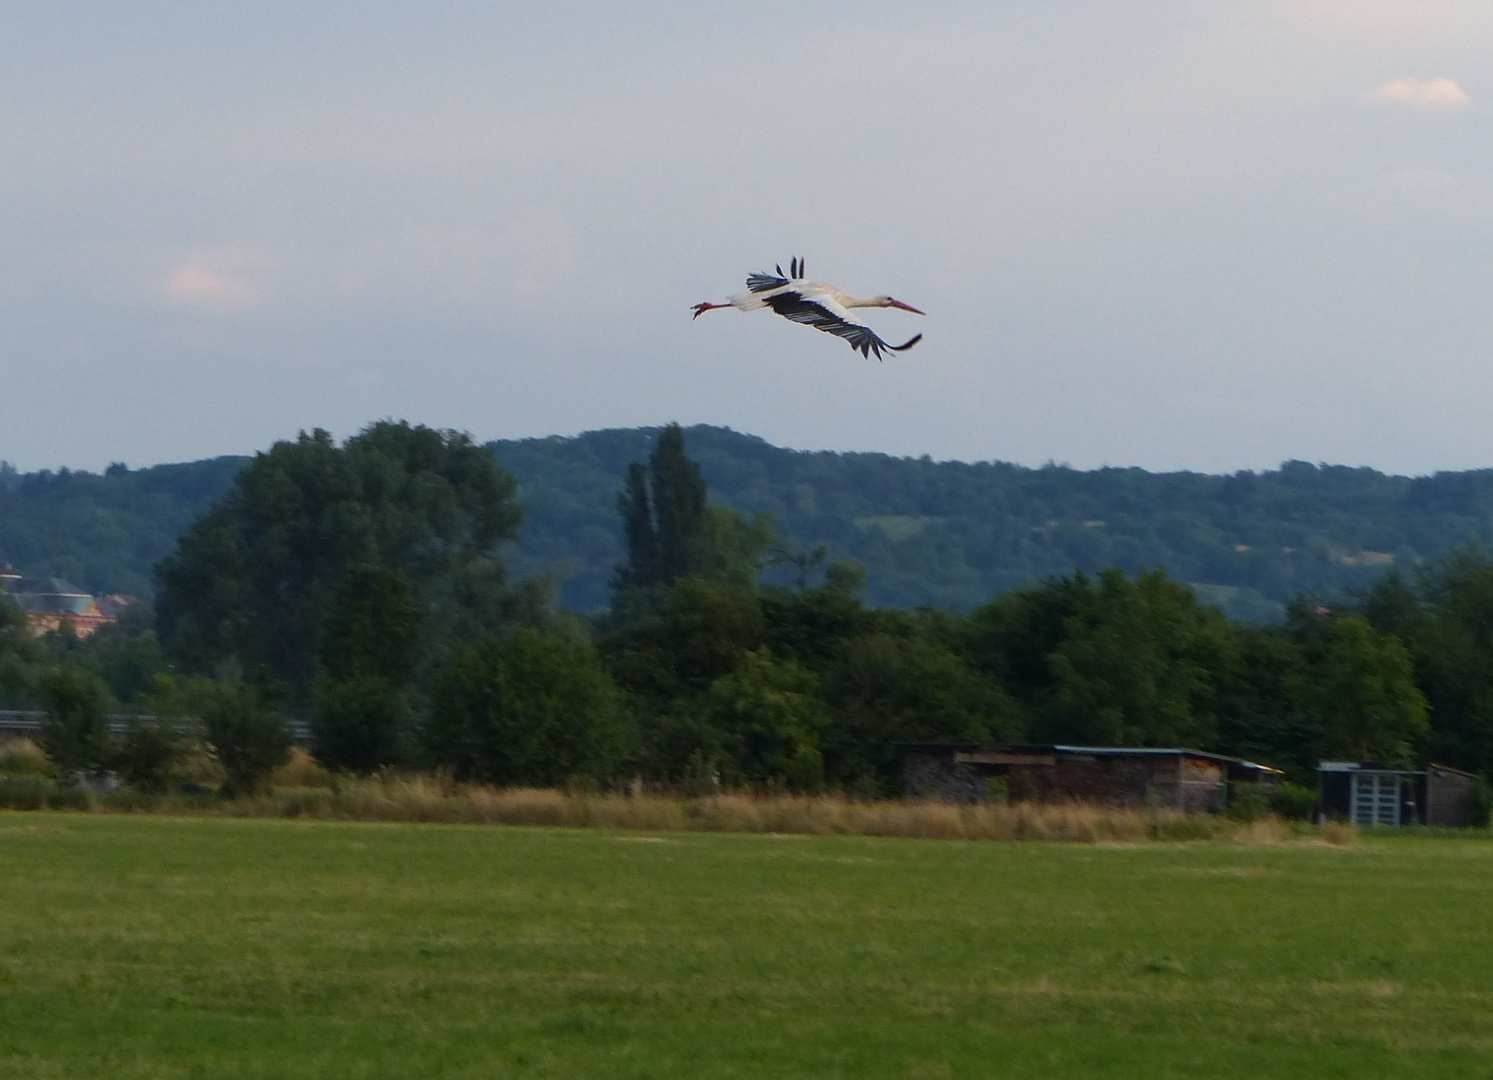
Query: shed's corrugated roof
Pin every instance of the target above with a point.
(1097, 751)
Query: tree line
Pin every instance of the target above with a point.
(363, 587)
(945, 534)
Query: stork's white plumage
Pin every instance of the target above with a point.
(815, 304)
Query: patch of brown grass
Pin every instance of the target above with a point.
(422, 798)
(302, 771)
(1340, 833)
(1266, 832)
(22, 757)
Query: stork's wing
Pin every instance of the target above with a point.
(765, 282)
(822, 313)
(768, 282)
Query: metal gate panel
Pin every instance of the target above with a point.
(1375, 798)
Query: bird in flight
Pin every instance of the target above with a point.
(812, 303)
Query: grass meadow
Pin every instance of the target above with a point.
(158, 946)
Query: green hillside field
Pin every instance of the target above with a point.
(160, 947)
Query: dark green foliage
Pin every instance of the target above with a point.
(1444, 617)
(373, 625)
(251, 584)
(363, 719)
(75, 732)
(1480, 803)
(954, 534)
(1364, 690)
(1248, 802)
(530, 707)
(151, 753)
(690, 635)
(1295, 801)
(1111, 662)
(1266, 712)
(106, 532)
(126, 654)
(363, 580)
(150, 756)
(771, 722)
(40, 793)
(887, 687)
(363, 723)
(663, 516)
(950, 534)
(1138, 666)
(249, 739)
(671, 533)
(19, 656)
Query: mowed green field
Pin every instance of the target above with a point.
(163, 947)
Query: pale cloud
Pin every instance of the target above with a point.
(1423, 93)
(197, 284)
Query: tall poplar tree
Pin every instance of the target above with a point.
(664, 516)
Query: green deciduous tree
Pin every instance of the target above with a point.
(19, 655)
(1109, 661)
(663, 516)
(151, 754)
(529, 707)
(1366, 696)
(363, 718)
(886, 687)
(771, 720)
(671, 531)
(1444, 617)
(250, 586)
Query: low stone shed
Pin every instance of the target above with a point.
(1192, 781)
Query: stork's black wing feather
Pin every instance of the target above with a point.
(862, 338)
(765, 282)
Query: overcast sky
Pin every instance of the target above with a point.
(1170, 234)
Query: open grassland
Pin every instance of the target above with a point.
(152, 946)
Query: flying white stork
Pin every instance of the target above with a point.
(812, 303)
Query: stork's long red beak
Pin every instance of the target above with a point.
(906, 307)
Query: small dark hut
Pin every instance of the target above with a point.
(1189, 780)
(1372, 793)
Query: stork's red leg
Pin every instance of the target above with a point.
(700, 309)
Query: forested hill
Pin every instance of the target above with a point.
(952, 534)
(949, 534)
(105, 532)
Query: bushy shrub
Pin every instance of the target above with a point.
(529, 707)
(1296, 801)
(1480, 803)
(249, 739)
(770, 716)
(362, 723)
(151, 753)
(75, 731)
(40, 793)
(1247, 802)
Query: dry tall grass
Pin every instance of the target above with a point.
(22, 757)
(1340, 833)
(303, 789)
(431, 799)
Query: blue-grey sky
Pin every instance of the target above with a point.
(1168, 234)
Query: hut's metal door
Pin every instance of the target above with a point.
(1376, 798)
